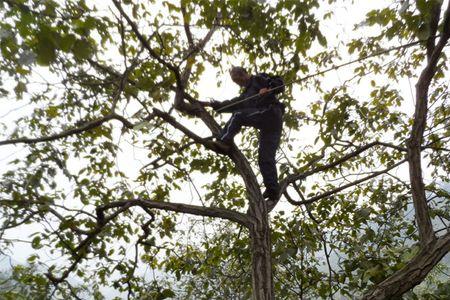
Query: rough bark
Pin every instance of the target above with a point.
(213, 212)
(414, 144)
(262, 279)
(262, 275)
(414, 272)
(432, 249)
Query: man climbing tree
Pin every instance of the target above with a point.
(263, 112)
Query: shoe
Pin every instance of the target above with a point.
(228, 142)
(270, 204)
(271, 194)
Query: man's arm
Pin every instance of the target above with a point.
(277, 83)
(263, 85)
(227, 106)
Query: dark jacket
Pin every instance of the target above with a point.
(257, 82)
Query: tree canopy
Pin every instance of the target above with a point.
(111, 170)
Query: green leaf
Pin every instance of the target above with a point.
(36, 242)
(52, 111)
(45, 51)
(292, 252)
(82, 49)
(423, 32)
(66, 42)
(19, 89)
(167, 293)
(322, 40)
(408, 255)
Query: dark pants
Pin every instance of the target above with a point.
(269, 122)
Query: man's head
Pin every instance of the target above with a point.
(239, 75)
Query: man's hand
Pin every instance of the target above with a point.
(263, 91)
(215, 104)
(211, 103)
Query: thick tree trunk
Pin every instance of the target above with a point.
(432, 249)
(423, 219)
(413, 273)
(259, 229)
(262, 278)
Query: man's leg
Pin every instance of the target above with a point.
(268, 145)
(231, 128)
(269, 140)
(269, 123)
(246, 117)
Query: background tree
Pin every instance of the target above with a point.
(96, 81)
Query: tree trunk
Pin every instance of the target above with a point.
(414, 144)
(259, 229)
(432, 249)
(262, 278)
(413, 273)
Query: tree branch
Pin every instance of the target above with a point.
(102, 220)
(294, 177)
(87, 126)
(414, 143)
(208, 143)
(186, 25)
(195, 109)
(181, 208)
(434, 21)
(147, 46)
(414, 272)
(194, 49)
(336, 190)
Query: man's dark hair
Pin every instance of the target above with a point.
(238, 70)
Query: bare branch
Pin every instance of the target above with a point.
(87, 126)
(182, 208)
(343, 187)
(294, 177)
(208, 143)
